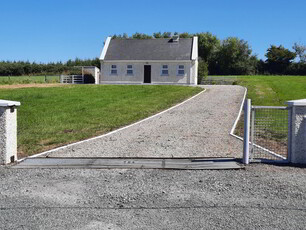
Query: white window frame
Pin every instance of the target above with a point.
(129, 68)
(180, 69)
(164, 68)
(114, 68)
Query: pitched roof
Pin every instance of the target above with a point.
(149, 49)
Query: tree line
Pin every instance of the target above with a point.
(231, 56)
(19, 68)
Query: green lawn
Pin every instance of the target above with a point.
(51, 117)
(4, 80)
(272, 90)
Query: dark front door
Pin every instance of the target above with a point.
(147, 74)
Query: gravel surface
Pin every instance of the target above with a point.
(198, 128)
(260, 197)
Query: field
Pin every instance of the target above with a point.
(270, 90)
(9, 80)
(54, 116)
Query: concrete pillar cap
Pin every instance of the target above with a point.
(6, 103)
(300, 102)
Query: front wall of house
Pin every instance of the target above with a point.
(138, 73)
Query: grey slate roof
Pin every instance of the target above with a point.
(149, 49)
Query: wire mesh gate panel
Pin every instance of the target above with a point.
(269, 132)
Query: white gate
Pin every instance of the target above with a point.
(266, 133)
(72, 79)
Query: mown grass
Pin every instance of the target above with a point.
(10, 80)
(272, 90)
(51, 117)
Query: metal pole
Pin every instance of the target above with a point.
(246, 138)
(252, 133)
(289, 146)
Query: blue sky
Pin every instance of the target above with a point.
(54, 30)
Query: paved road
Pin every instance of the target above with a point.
(260, 197)
(198, 128)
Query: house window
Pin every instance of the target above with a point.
(165, 70)
(114, 69)
(181, 70)
(129, 70)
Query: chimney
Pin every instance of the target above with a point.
(175, 38)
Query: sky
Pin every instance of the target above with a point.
(58, 30)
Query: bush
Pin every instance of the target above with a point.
(202, 71)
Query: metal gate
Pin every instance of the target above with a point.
(269, 133)
(72, 79)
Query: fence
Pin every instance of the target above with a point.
(275, 132)
(215, 80)
(29, 79)
(72, 79)
(269, 132)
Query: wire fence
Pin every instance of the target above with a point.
(219, 80)
(269, 133)
(29, 79)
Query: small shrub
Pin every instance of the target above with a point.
(202, 71)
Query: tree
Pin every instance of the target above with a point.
(300, 51)
(235, 57)
(141, 36)
(186, 35)
(279, 59)
(125, 35)
(166, 35)
(208, 45)
(157, 35)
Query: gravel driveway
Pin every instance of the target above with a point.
(197, 128)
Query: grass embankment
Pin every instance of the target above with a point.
(9, 80)
(51, 117)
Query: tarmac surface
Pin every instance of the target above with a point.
(259, 197)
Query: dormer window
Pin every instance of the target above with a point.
(114, 69)
(129, 69)
(164, 70)
(181, 70)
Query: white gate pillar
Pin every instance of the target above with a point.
(246, 136)
(297, 132)
(8, 131)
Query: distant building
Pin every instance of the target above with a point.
(157, 61)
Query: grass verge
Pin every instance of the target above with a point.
(52, 117)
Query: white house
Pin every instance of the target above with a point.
(157, 61)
